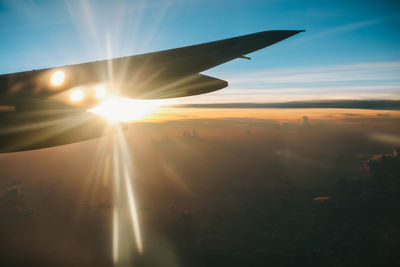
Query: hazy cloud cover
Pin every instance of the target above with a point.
(347, 104)
(227, 191)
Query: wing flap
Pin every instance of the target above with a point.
(188, 86)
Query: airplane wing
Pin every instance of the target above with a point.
(47, 107)
(163, 74)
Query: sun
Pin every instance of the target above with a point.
(121, 109)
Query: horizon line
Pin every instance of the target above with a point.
(383, 104)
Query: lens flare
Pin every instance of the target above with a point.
(133, 211)
(76, 95)
(115, 235)
(57, 78)
(115, 226)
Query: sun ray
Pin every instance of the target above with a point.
(116, 196)
(115, 235)
(133, 210)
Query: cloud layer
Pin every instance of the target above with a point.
(345, 104)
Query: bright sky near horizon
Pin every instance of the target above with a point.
(351, 48)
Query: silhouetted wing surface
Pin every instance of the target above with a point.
(37, 109)
(163, 74)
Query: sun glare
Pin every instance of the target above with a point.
(57, 78)
(126, 109)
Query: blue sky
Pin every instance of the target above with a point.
(351, 48)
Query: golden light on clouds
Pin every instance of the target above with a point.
(168, 113)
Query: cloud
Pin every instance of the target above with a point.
(322, 198)
(383, 115)
(13, 198)
(324, 73)
(385, 165)
(306, 122)
(386, 138)
(189, 135)
(352, 104)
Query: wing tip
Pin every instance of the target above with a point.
(294, 32)
(298, 31)
(287, 33)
